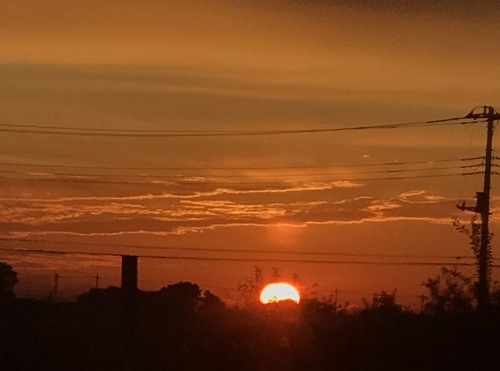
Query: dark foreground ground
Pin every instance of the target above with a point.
(179, 330)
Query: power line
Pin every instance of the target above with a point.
(220, 184)
(212, 249)
(247, 260)
(213, 176)
(142, 168)
(31, 126)
(101, 132)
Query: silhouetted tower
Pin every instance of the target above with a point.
(97, 280)
(483, 208)
(129, 307)
(129, 273)
(276, 272)
(336, 302)
(422, 298)
(55, 289)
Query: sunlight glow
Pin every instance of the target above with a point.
(276, 292)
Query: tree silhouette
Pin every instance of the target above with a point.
(473, 232)
(495, 296)
(8, 278)
(450, 292)
(382, 303)
(211, 303)
(181, 296)
(249, 287)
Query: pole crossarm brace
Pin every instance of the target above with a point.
(487, 113)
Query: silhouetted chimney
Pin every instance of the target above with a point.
(129, 273)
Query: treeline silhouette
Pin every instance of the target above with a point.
(179, 327)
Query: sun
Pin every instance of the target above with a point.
(276, 292)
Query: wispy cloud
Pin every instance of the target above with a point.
(163, 215)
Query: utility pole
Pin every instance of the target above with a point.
(422, 298)
(55, 289)
(97, 280)
(276, 272)
(483, 208)
(336, 300)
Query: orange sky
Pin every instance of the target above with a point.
(242, 65)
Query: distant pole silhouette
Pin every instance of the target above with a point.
(336, 299)
(97, 280)
(422, 298)
(483, 208)
(55, 289)
(276, 272)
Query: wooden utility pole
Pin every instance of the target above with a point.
(483, 208)
(336, 299)
(422, 298)
(55, 289)
(276, 272)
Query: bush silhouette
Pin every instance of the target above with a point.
(8, 279)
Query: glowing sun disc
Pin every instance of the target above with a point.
(276, 292)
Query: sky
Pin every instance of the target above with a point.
(242, 66)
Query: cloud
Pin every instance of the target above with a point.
(412, 193)
(420, 196)
(53, 262)
(167, 215)
(346, 184)
(164, 206)
(382, 206)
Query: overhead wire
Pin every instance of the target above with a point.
(55, 130)
(212, 249)
(205, 175)
(145, 168)
(203, 182)
(207, 178)
(248, 260)
(144, 133)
